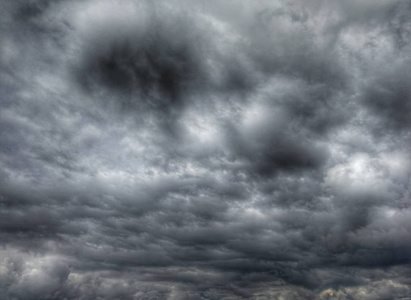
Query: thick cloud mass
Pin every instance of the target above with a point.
(205, 149)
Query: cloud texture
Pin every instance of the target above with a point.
(205, 149)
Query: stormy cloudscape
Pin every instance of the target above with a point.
(205, 149)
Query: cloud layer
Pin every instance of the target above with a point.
(207, 150)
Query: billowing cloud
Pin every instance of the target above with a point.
(205, 150)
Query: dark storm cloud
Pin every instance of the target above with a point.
(160, 64)
(272, 147)
(183, 150)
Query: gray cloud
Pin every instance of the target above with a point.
(205, 150)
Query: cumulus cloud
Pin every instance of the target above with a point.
(205, 150)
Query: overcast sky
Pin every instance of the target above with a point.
(205, 149)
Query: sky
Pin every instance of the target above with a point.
(186, 150)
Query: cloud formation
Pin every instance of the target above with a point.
(205, 150)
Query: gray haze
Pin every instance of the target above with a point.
(205, 149)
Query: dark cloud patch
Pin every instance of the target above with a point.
(272, 153)
(268, 144)
(162, 64)
(156, 67)
(31, 10)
